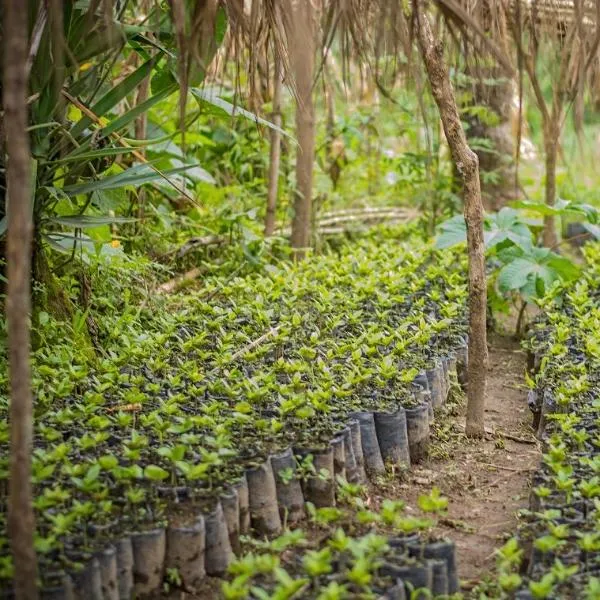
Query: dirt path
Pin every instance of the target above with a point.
(486, 481)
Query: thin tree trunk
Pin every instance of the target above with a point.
(302, 52)
(275, 154)
(467, 164)
(549, 237)
(21, 522)
(141, 125)
(495, 91)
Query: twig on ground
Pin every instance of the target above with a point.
(514, 438)
(489, 525)
(502, 467)
(510, 386)
(470, 584)
(255, 343)
(173, 284)
(457, 524)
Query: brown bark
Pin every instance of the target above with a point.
(275, 153)
(494, 89)
(467, 165)
(500, 160)
(21, 522)
(551, 135)
(302, 55)
(141, 124)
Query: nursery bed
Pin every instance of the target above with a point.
(251, 397)
(557, 551)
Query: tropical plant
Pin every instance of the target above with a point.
(520, 267)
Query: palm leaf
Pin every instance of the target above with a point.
(116, 94)
(87, 221)
(136, 176)
(208, 97)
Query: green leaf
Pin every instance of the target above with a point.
(515, 274)
(509, 582)
(136, 176)
(452, 232)
(178, 452)
(85, 221)
(155, 473)
(592, 589)
(108, 462)
(534, 272)
(163, 79)
(194, 172)
(78, 155)
(139, 109)
(225, 108)
(135, 471)
(67, 243)
(543, 588)
(92, 473)
(566, 269)
(561, 207)
(434, 502)
(507, 225)
(116, 94)
(539, 208)
(593, 229)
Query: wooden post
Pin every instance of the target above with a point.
(21, 522)
(551, 141)
(302, 54)
(467, 165)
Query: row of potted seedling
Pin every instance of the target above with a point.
(345, 566)
(266, 499)
(177, 411)
(556, 554)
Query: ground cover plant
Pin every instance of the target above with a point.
(188, 418)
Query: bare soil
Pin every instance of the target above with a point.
(486, 481)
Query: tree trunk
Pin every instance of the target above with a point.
(466, 162)
(302, 51)
(140, 131)
(275, 154)
(497, 98)
(141, 125)
(551, 134)
(493, 90)
(21, 522)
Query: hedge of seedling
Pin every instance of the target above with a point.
(238, 404)
(557, 552)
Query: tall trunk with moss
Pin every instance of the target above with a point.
(21, 521)
(302, 56)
